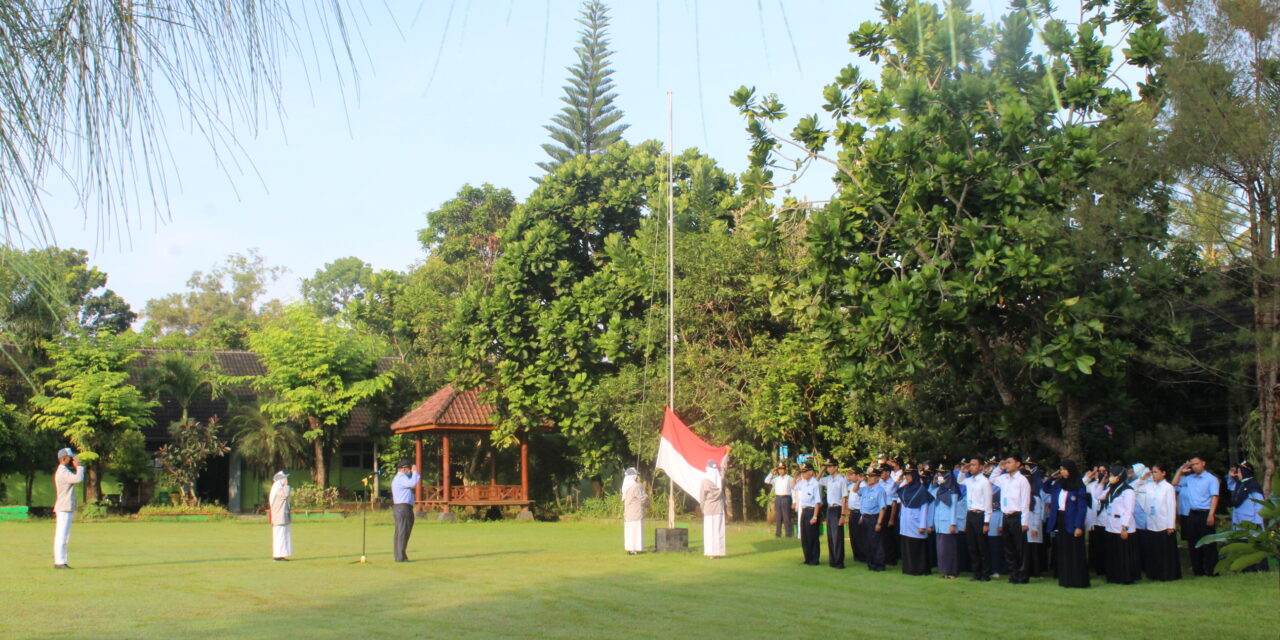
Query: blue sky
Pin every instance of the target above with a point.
(351, 172)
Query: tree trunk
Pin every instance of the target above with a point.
(318, 475)
(1267, 319)
(93, 482)
(31, 481)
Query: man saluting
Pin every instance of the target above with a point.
(402, 508)
(68, 475)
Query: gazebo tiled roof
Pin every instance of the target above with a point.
(448, 409)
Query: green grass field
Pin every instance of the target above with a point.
(562, 580)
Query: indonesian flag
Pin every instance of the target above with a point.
(683, 456)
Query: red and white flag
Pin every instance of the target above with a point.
(683, 456)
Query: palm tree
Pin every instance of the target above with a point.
(266, 445)
(184, 377)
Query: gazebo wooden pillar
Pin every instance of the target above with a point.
(448, 413)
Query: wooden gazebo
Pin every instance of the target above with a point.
(446, 413)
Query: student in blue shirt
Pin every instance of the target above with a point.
(872, 504)
(949, 511)
(1244, 490)
(1201, 489)
(808, 494)
(914, 519)
(834, 485)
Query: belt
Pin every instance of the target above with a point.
(976, 511)
(1014, 513)
(1200, 510)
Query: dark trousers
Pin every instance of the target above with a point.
(835, 538)
(404, 526)
(1194, 527)
(873, 542)
(1097, 551)
(809, 537)
(782, 516)
(977, 546)
(855, 536)
(1015, 548)
(889, 534)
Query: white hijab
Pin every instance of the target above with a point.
(713, 473)
(628, 480)
(278, 485)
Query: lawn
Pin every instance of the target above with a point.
(566, 580)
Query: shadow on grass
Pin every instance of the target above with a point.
(169, 563)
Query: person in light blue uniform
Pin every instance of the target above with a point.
(873, 506)
(914, 518)
(808, 495)
(834, 485)
(949, 512)
(1201, 488)
(402, 498)
(1245, 490)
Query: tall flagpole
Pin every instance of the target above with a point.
(671, 294)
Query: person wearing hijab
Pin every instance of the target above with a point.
(1121, 540)
(873, 503)
(1068, 510)
(948, 517)
(1159, 538)
(711, 497)
(65, 478)
(280, 517)
(1244, 487)
(808, 495)
(914, 518)
(634, 500)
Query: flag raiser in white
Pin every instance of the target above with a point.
(683, 456)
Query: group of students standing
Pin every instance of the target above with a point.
(1007, 517)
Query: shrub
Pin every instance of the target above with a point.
(181, 509)
(92, 510)
(310, 497)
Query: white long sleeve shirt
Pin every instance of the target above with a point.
(1015, 492)
(1119, 513)
(1097, 491)
(782, 485)
(978, 494)
(1162, 507)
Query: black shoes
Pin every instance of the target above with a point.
(61, 566)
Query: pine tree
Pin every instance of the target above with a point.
(588, 123)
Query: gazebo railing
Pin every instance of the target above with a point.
(473, 493)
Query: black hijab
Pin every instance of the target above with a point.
(948, 490)
(1118, 488)
(915, 494)
(1246, 485)
(1072, 482)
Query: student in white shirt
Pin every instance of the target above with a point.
(782, 484)
(977, 518)
(1015, 510)
(853, 512)
(1159, 538)
(1121, 541)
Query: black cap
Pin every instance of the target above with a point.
(805, 467)
(404, 463)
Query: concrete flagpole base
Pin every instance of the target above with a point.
(671, 540)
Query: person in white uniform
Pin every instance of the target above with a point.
(279, 516)
(712, 500)
(65, 478)
(634, 500)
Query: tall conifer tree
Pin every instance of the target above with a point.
(588, 123)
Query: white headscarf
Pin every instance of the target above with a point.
(629, 479)
(713, 473)
(278, 485)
